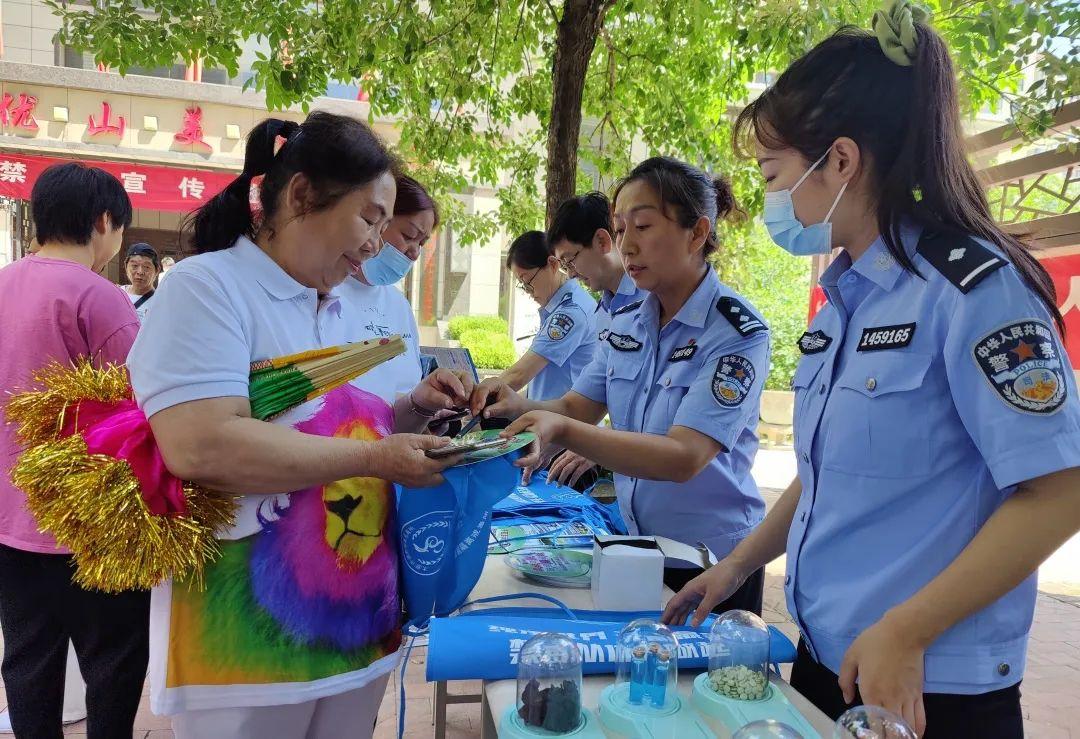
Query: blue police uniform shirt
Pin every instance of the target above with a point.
(627, 294)
(700, 372)
(920, 405)
(566, 339)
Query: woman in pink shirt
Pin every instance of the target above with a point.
(54, 307)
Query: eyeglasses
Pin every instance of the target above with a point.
(527, 286)
(565, 265)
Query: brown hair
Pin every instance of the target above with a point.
(413, 198)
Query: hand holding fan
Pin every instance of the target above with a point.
(94, 477)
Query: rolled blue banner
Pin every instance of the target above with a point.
(484, 644)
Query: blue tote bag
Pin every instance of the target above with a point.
(443, 535)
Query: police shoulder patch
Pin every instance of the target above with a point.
(732, 380)
(962, 260)
(814, 342)
(559, 325)
(602, 336)
(1022, 363)
(627, 308)
(742, 318)
(623, 343)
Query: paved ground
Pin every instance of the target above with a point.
(1051, 689)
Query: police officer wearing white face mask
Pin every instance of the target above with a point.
(373, 306)
(937, 428)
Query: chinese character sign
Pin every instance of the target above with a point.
(1065, 271)
(18, 112)
(105, 124)
(191, 188)
(191, 131)
(156, 188)
(134, 182)
(14, 172)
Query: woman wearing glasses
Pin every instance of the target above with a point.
(565, 343)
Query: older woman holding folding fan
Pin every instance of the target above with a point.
(298, 625)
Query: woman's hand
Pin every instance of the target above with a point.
(400, 458)
(495, 399)
(547, 453)
(442, 389)
(705, 592)
(568, 468)
(887, 661)
(548, 428)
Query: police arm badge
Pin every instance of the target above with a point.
(559, 326)
(1022, 363)
(732, 380)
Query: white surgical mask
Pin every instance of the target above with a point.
(787, 231)
(387, 267)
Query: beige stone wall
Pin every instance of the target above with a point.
(29, 27)
(141, 101)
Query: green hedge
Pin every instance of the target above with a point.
(489, 349)
(492, 324)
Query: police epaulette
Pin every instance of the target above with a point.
(962, 260)
(627, 308)
(742, 318)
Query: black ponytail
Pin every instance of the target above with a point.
(338, 154)
(906, 120)
(688, 194)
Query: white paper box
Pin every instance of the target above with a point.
(627, 578)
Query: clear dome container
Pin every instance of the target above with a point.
(871, 722)
(739, 656)
(648, 665)
(549, 683)
(766, 729)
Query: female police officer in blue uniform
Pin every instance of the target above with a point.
(564, 345)
(680, 375)
(936, 421)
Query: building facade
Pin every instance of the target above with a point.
(175, 137)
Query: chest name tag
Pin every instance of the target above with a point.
(683, 353)
(559, 326)
(814, 342)
(886, 337)
(623, 343)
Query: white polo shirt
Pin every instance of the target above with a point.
(376, 311)
(217, 314)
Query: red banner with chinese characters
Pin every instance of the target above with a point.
(151, 187)
(1065, 271)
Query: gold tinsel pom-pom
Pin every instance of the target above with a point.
(92, 503)
(41, 415)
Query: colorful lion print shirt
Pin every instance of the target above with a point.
(303, 602)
